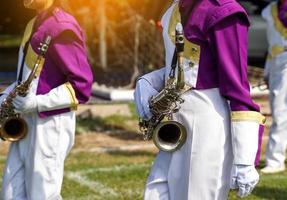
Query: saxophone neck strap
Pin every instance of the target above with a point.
(173, 65)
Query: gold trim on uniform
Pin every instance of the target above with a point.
(74, 100)
(31, 59)
(248, 116)
(278, 24)
(28, 31)
(191, 50)
(275, 51)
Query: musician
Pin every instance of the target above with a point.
(276, 75)
(223, 123)
(35, 164)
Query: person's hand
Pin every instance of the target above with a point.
(25, 104)
(143, 92)
(2, 98)
(244, 179)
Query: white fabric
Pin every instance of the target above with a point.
(34, 167)
(158, 190)
(201, 169)
(277, 75)
(57, 98)
(156, 79)
(190, 73)
(244, 141)
(244, 178)
(25, 104)
(9, 89)
(274, 38)
(143, 93)
(5, 93)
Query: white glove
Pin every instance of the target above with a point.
(244, 178)
(143, 92)
(26, 104)
(2, 97)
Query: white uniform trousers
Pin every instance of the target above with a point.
(201, 169)
(276, 147)
(34, 168)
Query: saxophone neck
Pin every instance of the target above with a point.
(179, 50)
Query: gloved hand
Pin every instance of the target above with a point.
(143, 92)
(26, 104)
(2, 97)
(244, 178)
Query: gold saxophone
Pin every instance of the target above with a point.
(169, 135)
(12, 126)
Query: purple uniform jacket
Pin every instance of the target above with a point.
(282, 12)
(66, 59)
(220, 28)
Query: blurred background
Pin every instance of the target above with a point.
(110, 160)
(123, 37)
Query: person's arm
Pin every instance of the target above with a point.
(6, 91)
(147, 86)
(69, 54)
(230, 39)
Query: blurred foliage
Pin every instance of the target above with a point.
(127, 23)
(7, 41)
(123, 36)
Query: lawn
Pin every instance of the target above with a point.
(92, 174)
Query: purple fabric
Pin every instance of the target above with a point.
(207, 13)
(220, 28)
(66, 59)
(230, 40)
(282, 12)
(260, 138)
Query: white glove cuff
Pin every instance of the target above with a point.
(155, 78)
(245, 135)
(60, 97)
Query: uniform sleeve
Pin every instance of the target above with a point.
(69, 54)
(7, 91)
(229, 39)
(155, 78)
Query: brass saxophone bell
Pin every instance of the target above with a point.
(13, 129)
(169, 136)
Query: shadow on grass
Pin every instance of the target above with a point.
(271, 193)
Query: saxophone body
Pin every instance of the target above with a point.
(167, 134)
(12, 126)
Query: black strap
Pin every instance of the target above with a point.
(173, 65)
(25, 50)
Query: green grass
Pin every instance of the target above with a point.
(113, 122)
(106, 176)
(122, 176)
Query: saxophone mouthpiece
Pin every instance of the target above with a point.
(179, 28)
(179, 37)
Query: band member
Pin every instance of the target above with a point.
(276, 75)
(222, 122)
(35, 164)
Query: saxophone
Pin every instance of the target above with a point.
(168, 135)
(12, 126)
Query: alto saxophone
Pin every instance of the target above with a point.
(12, 126)
(169, 135)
